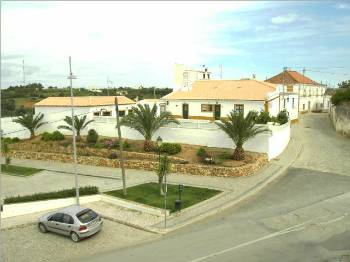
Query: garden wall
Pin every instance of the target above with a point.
(340, 118)
(194, 169)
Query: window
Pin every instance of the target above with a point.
(206, 108)
(284, 103)
(162, 108)
(287, 99)
(239, 108)
(292, 102)
(86, 216)
(303, 106)
(167, 103)
(58, 217)
(289, 88)
(67, 219)
(121, 113)
(106, 113)
(97, 113)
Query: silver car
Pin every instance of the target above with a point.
(74, 221)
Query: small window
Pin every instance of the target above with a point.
(239, 108)
(97, 113)
(303, 106)
(167, 103)
(162, 107)
(284, 103)
(293, 105)
(206, 108)
(86, 216)
(289, 88)
(67, 219)
(58, 217)
(106, 113)
(121, 113)
(287, 99)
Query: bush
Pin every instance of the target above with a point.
(170, 148)
(201, 152)
(263, 117)
(92, 136)
(126, 144)
(15, 140)
(57, 136)
(87, 190)
(110, 144)
(113, 155)
(7, 140)
(341, 95)
(282, 117)
(46, 136)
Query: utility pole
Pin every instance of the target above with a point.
(120, 145)
(71, 77)
(221, 72)
(24, 74)
(108, 81)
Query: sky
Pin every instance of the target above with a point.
(137, 43)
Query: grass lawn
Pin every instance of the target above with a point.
(19, 170)
(149, 194)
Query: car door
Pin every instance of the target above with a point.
(54, 223)
(67, 225)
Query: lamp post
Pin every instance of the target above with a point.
(71, 77)
(159, 143)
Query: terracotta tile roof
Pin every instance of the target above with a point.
(248, 89)
(291, 78)
(84, 101)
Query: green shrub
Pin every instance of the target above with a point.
(83, 191)
(46, 136)
(282, 117)
(225, 156)
(341, 95)
(57, 136)
(126, 144)
(263, 117)
(92, 136)
(15, 140)
(170, 148)
(201, 152)
(7, 140)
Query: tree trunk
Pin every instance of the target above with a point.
(160, 181)
(32, 134)
(148, 146)
(238, 154)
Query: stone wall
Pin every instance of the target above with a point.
(194, 169)
(340, 118)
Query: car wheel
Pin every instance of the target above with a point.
(74, 236)
(42, 228)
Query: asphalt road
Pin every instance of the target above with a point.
(304, 216)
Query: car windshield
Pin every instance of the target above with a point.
(86, 215)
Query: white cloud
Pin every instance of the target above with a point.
(284, 19)
(342, 6)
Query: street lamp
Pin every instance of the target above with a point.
(71, 77)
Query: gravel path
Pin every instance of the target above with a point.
(28, 244)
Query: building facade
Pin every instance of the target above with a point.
(185, 77)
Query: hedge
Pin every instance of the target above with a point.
(83, 191)
(170, 148)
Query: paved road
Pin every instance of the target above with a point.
(304, 216)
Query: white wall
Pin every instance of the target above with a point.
(9, 129)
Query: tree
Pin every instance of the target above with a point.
(79, 124)
(6, 151)
(344, 84)
(162, 169)
(240, 129)
(146, 122)
(31, 122)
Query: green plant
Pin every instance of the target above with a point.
(146, 121)
(282, 117)
(31, 122)
(201, 152)
(240, 129)
(163, 167)
(92, 136)
(170, 148)
(83, 191)
(79, 124)
(126, 144)
(7, 140)
(341, 95)
(57, 136)
(225, 156)
(263, 117)
(46, 136)
(15, 140)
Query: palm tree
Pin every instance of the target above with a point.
(240, 129)
(79, 124)
(146, 122)
(31, 122)
(162, 169)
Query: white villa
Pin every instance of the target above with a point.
(213, 99)
(310, 93)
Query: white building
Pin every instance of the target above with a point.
(55, 109)
(150, 102)
(310, 93)
(213, 99)
(185, 77)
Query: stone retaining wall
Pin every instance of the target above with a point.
(340, 118)
(194, 169)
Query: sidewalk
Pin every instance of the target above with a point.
(234, 189)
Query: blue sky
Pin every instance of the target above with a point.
(137, 43)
